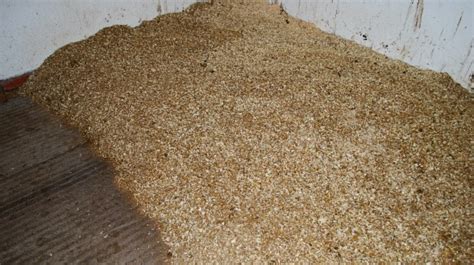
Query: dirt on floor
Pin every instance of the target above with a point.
(251, 136)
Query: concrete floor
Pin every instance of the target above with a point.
(58, 202)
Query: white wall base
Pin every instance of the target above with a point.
(432, 34)
(31, 30)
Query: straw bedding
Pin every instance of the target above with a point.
(250, 136)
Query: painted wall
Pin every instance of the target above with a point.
(31, 30)
(433, 34)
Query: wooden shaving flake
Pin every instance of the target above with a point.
(251, 136)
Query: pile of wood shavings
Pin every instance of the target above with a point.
(250, 136)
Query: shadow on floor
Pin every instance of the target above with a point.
(58, 201)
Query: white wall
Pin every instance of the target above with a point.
(31, 30)
(434, 34)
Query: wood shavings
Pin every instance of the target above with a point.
(251, 136)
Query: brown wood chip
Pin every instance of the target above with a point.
(286, 145)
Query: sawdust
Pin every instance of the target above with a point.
(250, 136)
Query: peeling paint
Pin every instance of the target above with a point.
(419, 14)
